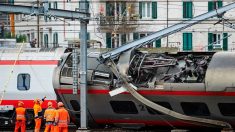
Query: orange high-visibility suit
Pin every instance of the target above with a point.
(37, 114)
(49, 116)
(20, 119)
(56, 128)
(62, 118)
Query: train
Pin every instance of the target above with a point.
(26, 75)
(195, 84)
(198, 84)
(127, 87)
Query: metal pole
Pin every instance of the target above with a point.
(83, 66)
(38, 27)
(75, 68)
(167, 23)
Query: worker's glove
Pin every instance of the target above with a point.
(28, 122)
(43, 98)
(11, 121)
(54, 123)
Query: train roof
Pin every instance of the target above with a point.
(32, 53)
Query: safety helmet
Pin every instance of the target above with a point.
(60, 104)
(49, 104)
(37, 100)
(20, 103)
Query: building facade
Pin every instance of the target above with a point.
(114, 23)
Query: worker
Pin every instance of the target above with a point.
(55, 124)
(38, 113)
(49, 117)
(62, 118)
(20, 117)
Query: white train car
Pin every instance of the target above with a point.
(24, 76)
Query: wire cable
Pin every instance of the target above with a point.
(11, 74)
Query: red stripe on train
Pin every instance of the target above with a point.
(153, 92)
(27, 103)
(29, 62)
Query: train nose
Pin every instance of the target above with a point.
(56, 78)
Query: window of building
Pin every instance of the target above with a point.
(46, 40)
(32, 36)
(124, 107)
(158, 43)
(195, 109)
(110, 8)
(46, 18)
(11, 1)
(108, 40)
(217, 41)
(148, 10)
(115, 40)
(55, 39)
(23, 81)
(112, 41)
(227, 109)
(123, 39)
(163, 104)
(28, 37)
(141, 35)
(55, 5)
(49, 8)
(41, 37)
(118, 7)
(213, 5)
(135, 36)
(87, 4)
(188, 9)
(187, 41)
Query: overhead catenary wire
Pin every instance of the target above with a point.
(5, 86)
(103, 1)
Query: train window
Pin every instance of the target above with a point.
(69, 72)
(64, 71)
(195, 108)
(163, 104)
(23, 81)
(124, 107)
(227, 109)
(69, 61)
(75, 105)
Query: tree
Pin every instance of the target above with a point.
(21, 38)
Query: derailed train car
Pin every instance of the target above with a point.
(193, 84)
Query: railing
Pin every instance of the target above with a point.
(122, 21)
